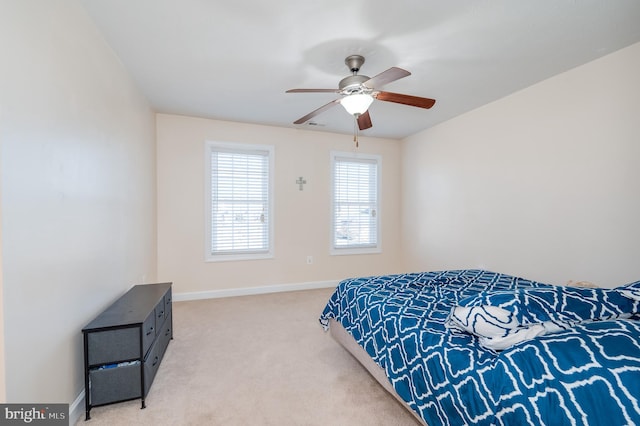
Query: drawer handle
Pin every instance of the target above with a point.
(150, 331)
(155, 361)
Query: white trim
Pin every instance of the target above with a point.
(77, 409)
(341, 251)
(248, 291)
(237, 147)
(347, 251)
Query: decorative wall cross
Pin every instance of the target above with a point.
(301, 182)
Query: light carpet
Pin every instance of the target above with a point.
(257, 360)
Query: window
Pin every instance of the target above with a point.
(239, 202)
(356, 211)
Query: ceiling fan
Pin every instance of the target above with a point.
(359, 91)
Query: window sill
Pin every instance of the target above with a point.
(237, 257)
(354, 250)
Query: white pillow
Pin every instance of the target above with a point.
(497, 328)
(483, 320)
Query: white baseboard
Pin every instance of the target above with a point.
(76, 409)
(247, 291)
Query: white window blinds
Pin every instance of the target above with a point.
(240, 200)
(355, 202)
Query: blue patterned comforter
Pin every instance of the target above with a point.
(585, 374)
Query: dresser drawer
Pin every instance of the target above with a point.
(166, 333)
(113, 345)
(167, 303)
(151, 365)
(160, 311)
(148, 331)
(155, 355)
(114, 384)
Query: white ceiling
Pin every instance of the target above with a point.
(234, 59)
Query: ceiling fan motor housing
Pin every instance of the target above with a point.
(353, 84)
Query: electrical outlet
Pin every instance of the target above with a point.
(309, 260)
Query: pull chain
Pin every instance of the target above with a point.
(355, 129)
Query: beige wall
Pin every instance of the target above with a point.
(302, 218)
(78, 191)
(544, 183)
(3, 381)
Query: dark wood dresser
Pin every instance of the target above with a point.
(124, 345)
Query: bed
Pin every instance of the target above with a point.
(464, 347)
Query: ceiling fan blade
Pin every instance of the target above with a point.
(398, 98)
(385, 77)
(312, 91)
(364, 121)
(317, 111)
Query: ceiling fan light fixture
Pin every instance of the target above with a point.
(357, 103)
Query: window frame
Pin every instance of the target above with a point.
(355, 250)
(237, 147)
